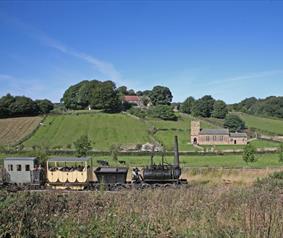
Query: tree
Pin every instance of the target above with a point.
(163, 112)
(131, 92)
(45, 106)
(139, 93)
(249, 154)
(71, 97)
(105, 97)
(94, 93)
(187, 105)
(23, 106)
(234, 123)
(82, 146)
(5, 102)
(160, 96)
(220, 109)
(203, 107)
(122, 90)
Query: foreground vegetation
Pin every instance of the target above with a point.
(193, 211)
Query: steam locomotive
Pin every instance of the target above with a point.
(80, 174)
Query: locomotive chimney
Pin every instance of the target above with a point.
(176, 150)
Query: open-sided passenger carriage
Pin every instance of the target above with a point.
(68, 173)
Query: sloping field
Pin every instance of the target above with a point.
(103, 130)
(13, 130)
(274, 126)
(182, 128)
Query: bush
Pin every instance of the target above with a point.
(163, 112)
(82, 145)
(137, 112)
(249, 154)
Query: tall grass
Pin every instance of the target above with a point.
(194, 211)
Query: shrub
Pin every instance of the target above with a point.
(249, 153)
(163, 112)
(138, 112)
(82, 146)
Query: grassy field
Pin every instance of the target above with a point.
(13, 130)
(103, 130)
(268, 125)
(194, 161)
(256, 143)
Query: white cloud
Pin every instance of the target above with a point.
(249, 76)
(105, 68)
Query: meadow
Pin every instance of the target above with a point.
(102, 129)
(192, 161)
(13, 130)
(265, 125)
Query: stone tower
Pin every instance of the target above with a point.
(195, 129)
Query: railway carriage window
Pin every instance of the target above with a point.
(221, 138)
(27, 167)
(10, 167)
(214, 138)
(207, 138)
(19, 167)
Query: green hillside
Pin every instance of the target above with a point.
(268, 125)
(103, 130)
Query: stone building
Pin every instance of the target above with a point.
(215, 136)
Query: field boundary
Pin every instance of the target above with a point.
(31, 133)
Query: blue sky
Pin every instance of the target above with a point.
(228, 49)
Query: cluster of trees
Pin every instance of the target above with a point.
(11, 106)
(270, 106)
(105, 96)
(206, 106)
(159, 95)
(94, 93)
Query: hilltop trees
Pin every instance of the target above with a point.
(11, 106)
(270, 106)
(220, 109)
(160, 95)
(206, 106)
(187, 105)
(203, 107)
(94, 93)
(44, 106)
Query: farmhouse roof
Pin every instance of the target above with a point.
(214, 132)
(241, 135)
(132, 98)
(81, 159)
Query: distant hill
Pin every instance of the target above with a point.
(104, 130)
